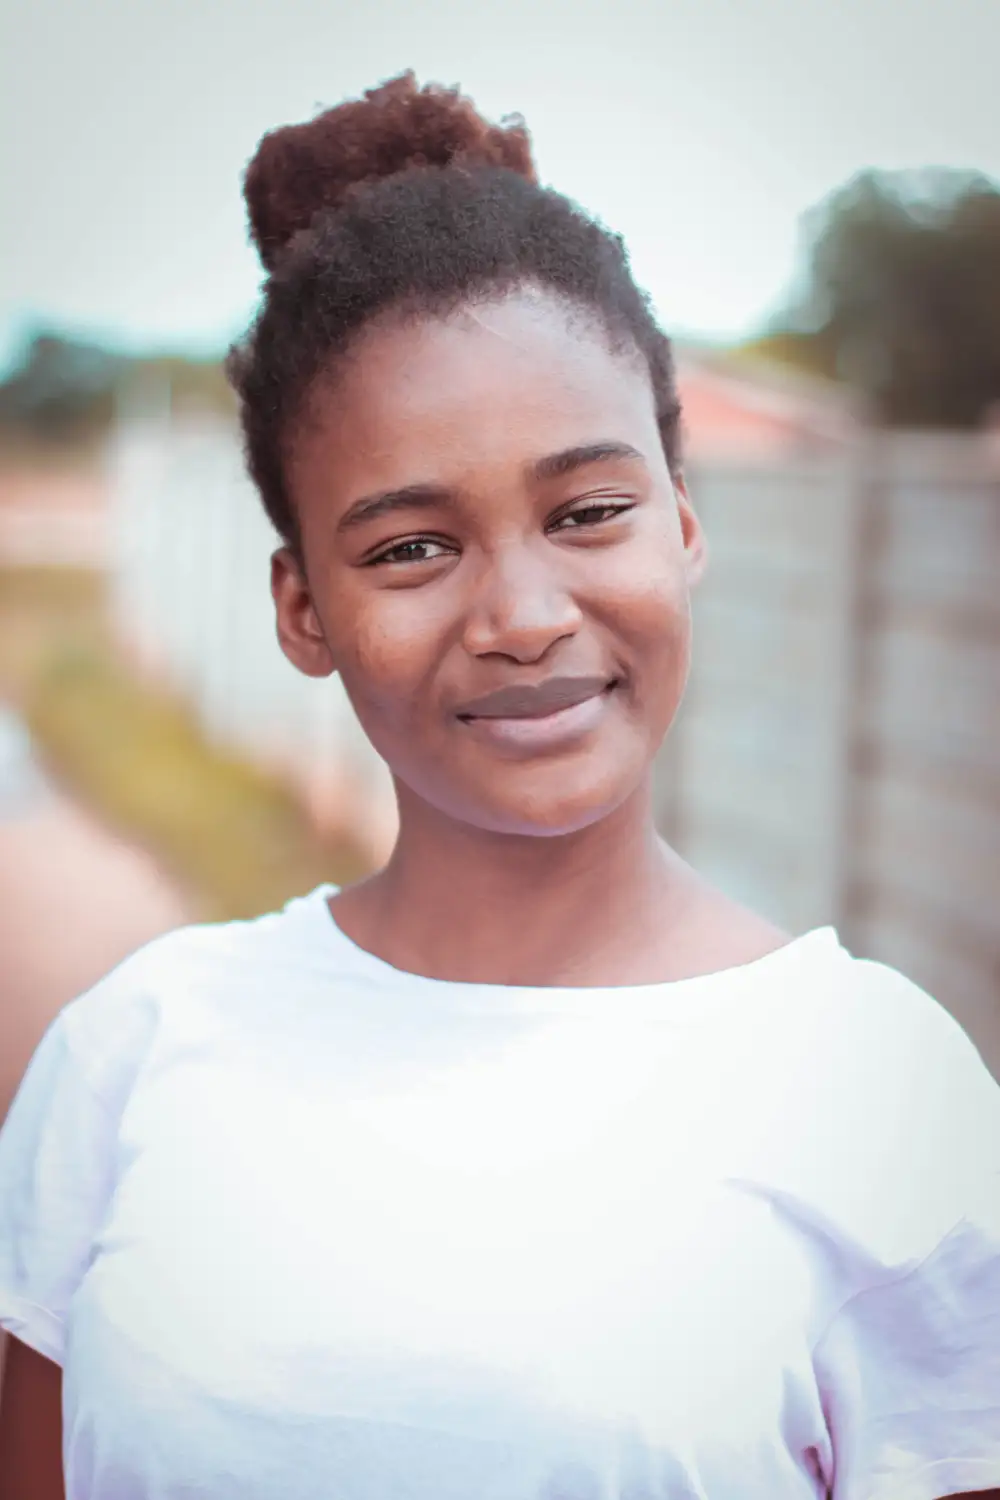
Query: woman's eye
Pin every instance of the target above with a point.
(418, 549)
(589, 515)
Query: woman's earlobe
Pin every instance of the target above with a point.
(693, 536)
(696, 551)
(300, 631)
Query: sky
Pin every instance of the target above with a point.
(699, 129)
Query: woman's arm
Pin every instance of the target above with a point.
(30, 1426)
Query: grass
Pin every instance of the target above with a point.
(234, 836)
(43, 611)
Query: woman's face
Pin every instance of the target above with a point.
(497, 562)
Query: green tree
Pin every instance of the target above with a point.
(65, 389)
(900, 295)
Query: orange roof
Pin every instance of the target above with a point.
(731, 413)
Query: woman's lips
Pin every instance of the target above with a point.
(545, 727)
(530, 700)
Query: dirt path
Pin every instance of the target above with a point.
(73, 903)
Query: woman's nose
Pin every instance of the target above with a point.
(520, 609)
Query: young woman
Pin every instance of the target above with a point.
(532, 1168)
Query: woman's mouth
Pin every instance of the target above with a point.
(545, 716)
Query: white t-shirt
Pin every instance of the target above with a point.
(299, 1226)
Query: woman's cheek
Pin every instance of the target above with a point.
(388, 667)
(376, 657)
(373, 638)
(649, 606)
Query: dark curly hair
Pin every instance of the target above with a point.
(407, 199)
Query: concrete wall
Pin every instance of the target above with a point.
(838, 755)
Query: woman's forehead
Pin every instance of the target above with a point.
(509, 331)
(505, 381)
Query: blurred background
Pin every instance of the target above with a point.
(810, 193)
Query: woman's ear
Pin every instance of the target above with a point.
(300, 633)
(695, 544)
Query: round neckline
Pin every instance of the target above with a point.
(696, 996)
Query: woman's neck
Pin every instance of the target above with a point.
(610, 904)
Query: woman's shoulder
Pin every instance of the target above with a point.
(178, 983)
(881, 1031)
(884, 1126)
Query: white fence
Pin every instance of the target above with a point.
(192, 548)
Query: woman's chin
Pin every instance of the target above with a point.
(543, 797)
(544, 810)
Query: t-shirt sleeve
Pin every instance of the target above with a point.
(59, 1146)
(56, 1151)
(909, 1366)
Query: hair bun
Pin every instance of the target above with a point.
(299, 171)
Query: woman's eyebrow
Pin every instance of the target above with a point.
(410, 497)
(427, 495)
(555, 465)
